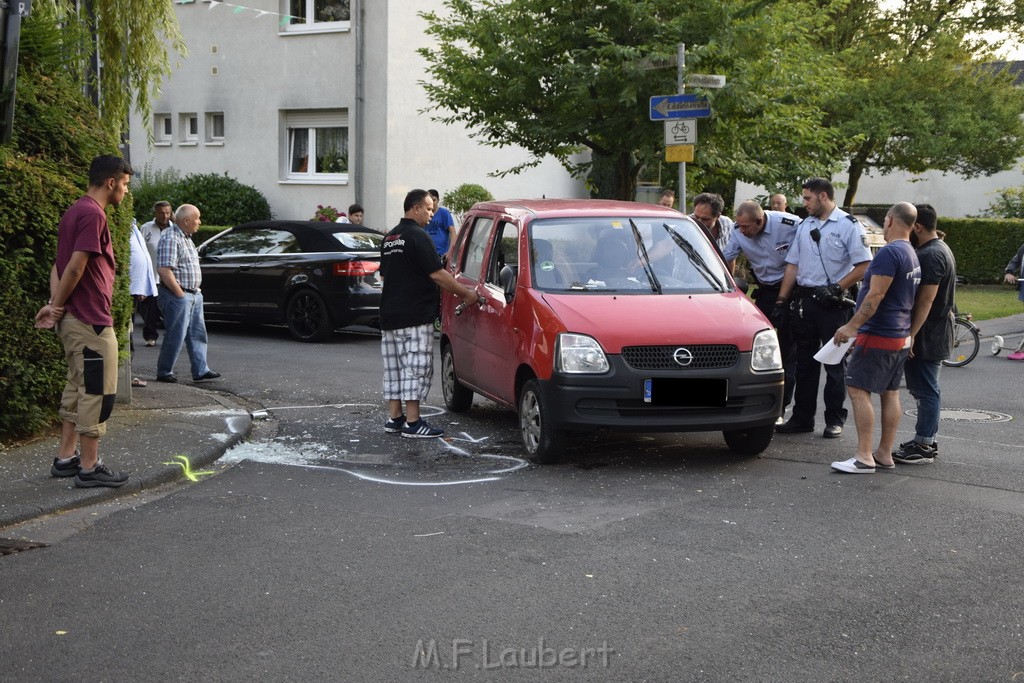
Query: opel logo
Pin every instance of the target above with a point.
(683, 356)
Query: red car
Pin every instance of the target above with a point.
(606, 315)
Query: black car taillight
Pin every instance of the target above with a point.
(356, 268)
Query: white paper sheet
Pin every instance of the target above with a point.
(830, 354)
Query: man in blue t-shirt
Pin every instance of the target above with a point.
(881, 329)
(441, 227)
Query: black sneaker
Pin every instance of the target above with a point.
(908, 444)
(421, 429)
(101, 475)
(394, 424)
(914, 453)
(65, 469)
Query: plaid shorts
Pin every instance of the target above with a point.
(408, 355)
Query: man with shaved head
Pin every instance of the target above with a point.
(881, 328)
(764, 238)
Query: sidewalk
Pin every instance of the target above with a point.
(1009, 326)
(162, 420)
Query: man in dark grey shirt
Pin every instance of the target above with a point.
(932, 330)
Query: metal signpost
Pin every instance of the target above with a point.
(680, 113)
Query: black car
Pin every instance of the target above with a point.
(312, 276)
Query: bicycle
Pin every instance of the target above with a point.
(966, 341)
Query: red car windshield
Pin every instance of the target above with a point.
(602, 254)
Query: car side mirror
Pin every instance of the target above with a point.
(741, 284)
(507, 278)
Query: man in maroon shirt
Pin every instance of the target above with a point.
(81, 290)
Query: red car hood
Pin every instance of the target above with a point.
(657, 320)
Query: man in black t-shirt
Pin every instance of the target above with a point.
(412, 273)
(932, 330)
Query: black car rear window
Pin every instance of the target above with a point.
(360, 241)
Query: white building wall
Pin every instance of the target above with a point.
(263, 71)
(951, 195)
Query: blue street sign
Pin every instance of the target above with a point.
(679, 107)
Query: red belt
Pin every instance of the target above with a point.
(871, 341)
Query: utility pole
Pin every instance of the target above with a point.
(681, 86)
(11, 11)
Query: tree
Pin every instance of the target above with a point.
(561, 78)
(918, 94)
(129, 40)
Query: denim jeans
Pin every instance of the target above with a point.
(183, 324)
(923, 383)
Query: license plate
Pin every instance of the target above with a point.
(690, 392)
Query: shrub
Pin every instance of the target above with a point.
(982, 246)
(220, 199)
(462, 198)
(56, 135)
(1009, 204)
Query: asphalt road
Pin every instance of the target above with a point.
(327, 550)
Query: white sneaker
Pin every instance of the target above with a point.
(853, 466)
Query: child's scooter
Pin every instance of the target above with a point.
(998, 344)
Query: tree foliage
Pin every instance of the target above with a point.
(130, 38)
(561, 78)
(43, 171)
(917, 90)
(812, 85)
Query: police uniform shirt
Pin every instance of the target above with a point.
(767, 250)
(841, 246)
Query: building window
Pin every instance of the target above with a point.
(162, 132)
(215, 127)
(189, 126)
(317, 144)
(306, 15)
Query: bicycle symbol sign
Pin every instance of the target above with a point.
(681, 132)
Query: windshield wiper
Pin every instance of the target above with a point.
(696, 259)
(645, 260)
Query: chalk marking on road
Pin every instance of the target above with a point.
(323, 405)
(269, 453)
(379, 480)
(469, 438)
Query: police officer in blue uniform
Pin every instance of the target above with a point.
(764, 238)
(829, 255)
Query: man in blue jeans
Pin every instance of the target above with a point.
(932, 329)
(180, 298)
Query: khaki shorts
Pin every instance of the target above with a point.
(91, 353)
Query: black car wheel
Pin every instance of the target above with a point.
(457, 398)
(543, 443)
(308, 319)
(750, 441)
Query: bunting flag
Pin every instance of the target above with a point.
(238, 9)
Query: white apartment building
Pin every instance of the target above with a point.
(319, 102)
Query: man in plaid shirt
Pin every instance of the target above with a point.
(181, 300)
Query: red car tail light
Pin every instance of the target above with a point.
(356, 268)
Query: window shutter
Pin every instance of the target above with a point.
(317, 118)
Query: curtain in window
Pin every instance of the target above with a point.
(331, 150)
(298, 144)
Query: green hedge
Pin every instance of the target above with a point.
(221, 200)
(43, 171)
(982, 246)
